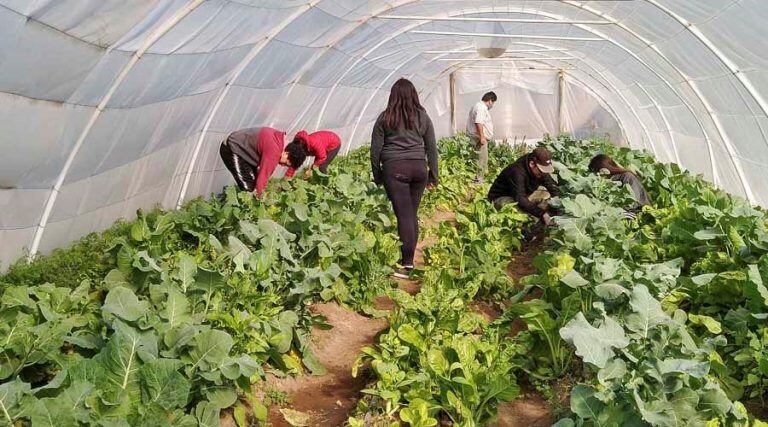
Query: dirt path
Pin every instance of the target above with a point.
(530, 409)
(329, 399)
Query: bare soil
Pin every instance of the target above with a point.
(329, 398)
(530, 410)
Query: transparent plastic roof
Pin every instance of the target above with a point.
(110, 105)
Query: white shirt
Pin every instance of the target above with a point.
(479, 114)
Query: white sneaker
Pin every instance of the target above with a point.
(403, 272)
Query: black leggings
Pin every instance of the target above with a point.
(244, 173)
(331, 155)
(405, 181)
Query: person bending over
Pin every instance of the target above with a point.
(324, 145)
(404, 160)
(606, 166)
(519, 183)
(252, 155)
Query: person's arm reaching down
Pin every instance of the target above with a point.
(480, 135)
(430, 145)
(321, 155)
(291, 172)
(480, 118)
(521, 198)
(377, 142)
(271, 146)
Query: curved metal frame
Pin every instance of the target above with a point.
(153, 37)
(699, 95)
(184, 11)
(220, 99)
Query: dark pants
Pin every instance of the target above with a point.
(331, 155)
(405, 181)
(244, 173)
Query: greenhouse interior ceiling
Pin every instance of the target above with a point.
(109, 106)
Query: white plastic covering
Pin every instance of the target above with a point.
(112, 105)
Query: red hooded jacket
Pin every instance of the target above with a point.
(318, 144)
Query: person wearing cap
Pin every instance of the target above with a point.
(252, 155)
(480, 131)
(518, 183)
(324, 145)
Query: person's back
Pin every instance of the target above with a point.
(629, 178)
(403, 143)
(244, 143)
(604, 165)
(404, 161)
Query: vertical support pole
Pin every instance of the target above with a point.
(452, 85)
(560, 101)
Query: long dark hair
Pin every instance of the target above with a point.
(601, 161)
(403, 107)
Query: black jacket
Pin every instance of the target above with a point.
(517, 181)
(389, 145)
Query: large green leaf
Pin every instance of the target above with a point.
(210, 349)
(221, 397)
(243, 366)
(409, 334)
(187, 271)
(647, 312)
(10, 396)
(714, 401)
(584, 403)
(594, 345)
(755, 291)
(207, 414)
(163, 384)
(67, 409)
(208, 280)
(574, 280)
(17, 296)
(123, 303)
(683, 366)
(614, 369)
(176, 310)
(120, 359)
(610, 291)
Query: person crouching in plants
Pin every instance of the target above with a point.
(252, 155)
(324, 145)
(520, 183)
(404, 160)
(605, 166)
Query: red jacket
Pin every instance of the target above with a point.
(270, 148)
(318, 144)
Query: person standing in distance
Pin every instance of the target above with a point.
(404, 160)
(480, 130)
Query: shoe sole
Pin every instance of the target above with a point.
(401, 276)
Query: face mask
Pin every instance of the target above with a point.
(490, 107)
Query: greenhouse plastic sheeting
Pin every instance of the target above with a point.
(109, 106)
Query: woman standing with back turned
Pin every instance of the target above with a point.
(404, 160)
